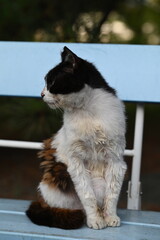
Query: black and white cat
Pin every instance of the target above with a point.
(83, 167)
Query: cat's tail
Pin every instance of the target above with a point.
(55, 217)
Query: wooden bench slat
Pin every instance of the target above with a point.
(128, 68)
(13, 205)
(136, 225)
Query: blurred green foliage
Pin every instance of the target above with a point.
(27, 119)
(124, 21)
(106, 21)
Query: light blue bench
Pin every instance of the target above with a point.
(135, 72)
(136, 225)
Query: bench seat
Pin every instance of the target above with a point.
(136, 225)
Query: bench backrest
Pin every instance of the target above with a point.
(134, 70)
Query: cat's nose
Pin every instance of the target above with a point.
(42, 94)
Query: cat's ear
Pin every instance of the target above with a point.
(68, 56)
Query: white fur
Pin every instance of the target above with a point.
(91, 143)
(56, 198)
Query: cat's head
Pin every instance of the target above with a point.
(67, 82)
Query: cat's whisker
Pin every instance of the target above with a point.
(58, 108)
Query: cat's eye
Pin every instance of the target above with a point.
(49, 84)
(45, 78)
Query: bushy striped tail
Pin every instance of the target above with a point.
(55, 217)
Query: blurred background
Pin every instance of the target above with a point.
(103, 21)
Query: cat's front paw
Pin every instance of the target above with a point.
(112, 221)
(96, 223)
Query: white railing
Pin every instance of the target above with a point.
(20, 144)
(134, 185)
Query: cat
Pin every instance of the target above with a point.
(83, 166)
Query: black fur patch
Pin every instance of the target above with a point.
(61, 81)
(55, 217)
(72, 74)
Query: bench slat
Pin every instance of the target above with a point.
(131, 69)
(18, 226)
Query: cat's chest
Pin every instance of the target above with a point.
(86, 144)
